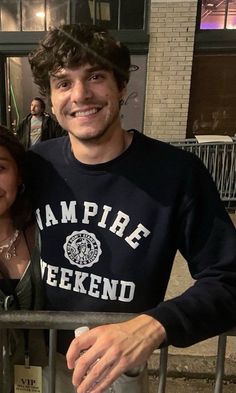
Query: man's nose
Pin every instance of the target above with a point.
(80, 91)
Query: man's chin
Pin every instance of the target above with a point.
(88, 135)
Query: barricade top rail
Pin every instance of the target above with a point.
(194, 141)
(219, 157)
(63, 320)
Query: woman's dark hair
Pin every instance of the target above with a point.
(43, 106)
(74, 45)
(21, 209)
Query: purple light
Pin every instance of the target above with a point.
(211, 25)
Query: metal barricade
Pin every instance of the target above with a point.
(53, 321)
(220, 363)
(220, 160)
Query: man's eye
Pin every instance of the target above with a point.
(62, 85)
(96, 77)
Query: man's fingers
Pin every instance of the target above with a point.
(118, 347)
(78, 345)
(90, 365)
(73, 353)
(99, 377)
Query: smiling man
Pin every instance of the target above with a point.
(113, 207)
(85, 101)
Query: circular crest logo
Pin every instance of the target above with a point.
(82, 248)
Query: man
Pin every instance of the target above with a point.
(38, 126)
(113, 206)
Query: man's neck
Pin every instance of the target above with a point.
(37, 116)
(99, 152)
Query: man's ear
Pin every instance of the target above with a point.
(52, 109)
(124, 90)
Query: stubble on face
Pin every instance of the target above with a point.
(110, 123)
(91, 115)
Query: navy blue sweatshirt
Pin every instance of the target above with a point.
(110, 233)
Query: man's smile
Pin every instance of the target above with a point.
(85, 112)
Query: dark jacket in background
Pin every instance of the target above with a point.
(50, 129)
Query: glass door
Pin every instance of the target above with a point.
(20, 89)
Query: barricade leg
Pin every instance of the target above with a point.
(163, 370)
(220, 363)
(1, 360)
(52, 360)
(4, 362)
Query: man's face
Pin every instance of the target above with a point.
(85, 101)
(36, 108)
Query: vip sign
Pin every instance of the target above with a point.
(27, 379)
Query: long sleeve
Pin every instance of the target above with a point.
(207, 240)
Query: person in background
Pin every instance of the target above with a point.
(203, 125)
(38, 126)
(113, 206)
(19, 257)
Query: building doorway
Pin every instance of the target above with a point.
(20, 89)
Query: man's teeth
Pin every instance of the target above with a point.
(86, 113)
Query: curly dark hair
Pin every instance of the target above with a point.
(21, 210)
(74, 45)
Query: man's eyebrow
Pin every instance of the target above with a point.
(96, 68)
(4, 159)
(65, 74)
(58, 76)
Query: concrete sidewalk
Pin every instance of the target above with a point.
(197, 361)
(182, 385)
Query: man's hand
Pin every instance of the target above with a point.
(111, 350)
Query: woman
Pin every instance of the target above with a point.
(19, 257)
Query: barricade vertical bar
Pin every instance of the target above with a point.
(220, 362)
(220, 160)
(163, 370)
(4, 360)
(1, 360)
(52, 360)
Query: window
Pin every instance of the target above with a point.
(39, 15)
(132, 14)
(105, 13)
(218, 14)
(213, 95)
(57, 12)
(33, 15)
(10, 15)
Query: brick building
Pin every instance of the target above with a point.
(172, 29)
(174, 87)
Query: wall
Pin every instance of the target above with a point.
(132, 108)
(172, 29)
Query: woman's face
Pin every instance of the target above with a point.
(9, 181)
